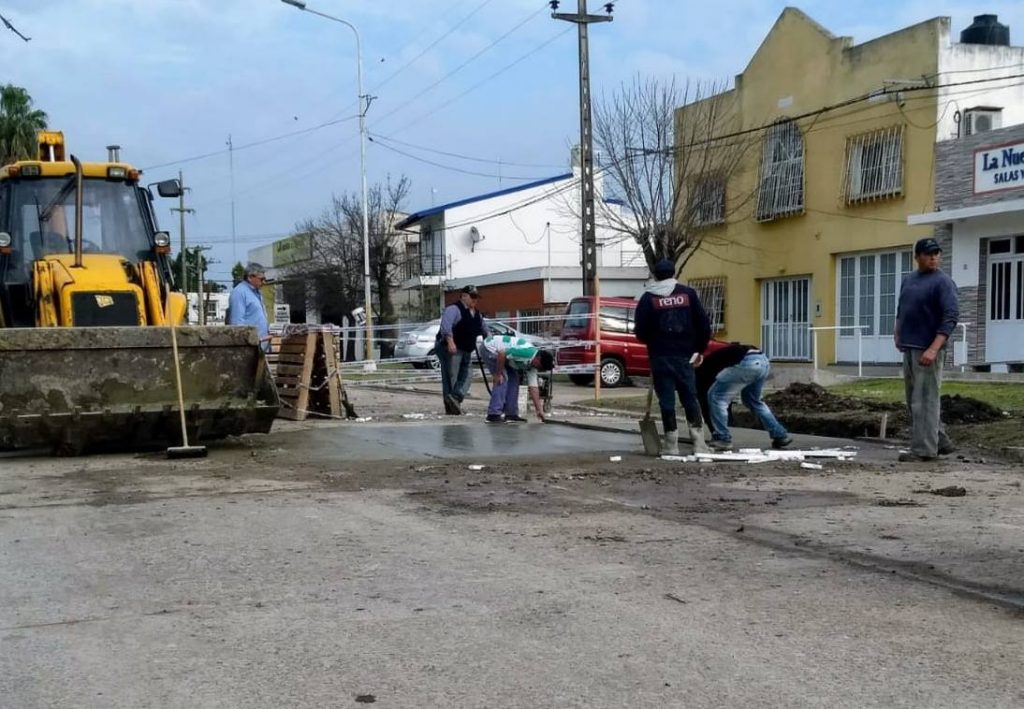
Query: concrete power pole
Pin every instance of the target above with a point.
(588, 237)
(201, 277)
(182, 211)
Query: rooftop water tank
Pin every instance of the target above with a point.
(986, 29)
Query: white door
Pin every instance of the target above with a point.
(785, 318)
(868, 292)
(1004, 334)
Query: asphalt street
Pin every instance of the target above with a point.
(341, 564)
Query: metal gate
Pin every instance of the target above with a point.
(785, 319)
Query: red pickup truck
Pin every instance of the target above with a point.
(622, 355)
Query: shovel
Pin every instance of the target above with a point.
(649, 427)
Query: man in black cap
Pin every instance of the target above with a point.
(925, 319)
(461, 324)
(671, 321)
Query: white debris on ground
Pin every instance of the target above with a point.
(363, 419)
(416, 416)
(812, 466)
(616, 459)
(756, 455)
(477, 467)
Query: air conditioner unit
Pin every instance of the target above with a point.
(982, 120)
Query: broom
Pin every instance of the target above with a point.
(185, 450)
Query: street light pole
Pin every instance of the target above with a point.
(364, 106)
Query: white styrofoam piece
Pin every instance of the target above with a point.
(756, 455)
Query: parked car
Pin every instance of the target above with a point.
(420, 343)
(622, 355)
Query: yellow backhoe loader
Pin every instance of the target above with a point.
(86, 309)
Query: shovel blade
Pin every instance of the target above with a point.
(649, 434)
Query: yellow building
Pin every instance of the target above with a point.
(842, 138)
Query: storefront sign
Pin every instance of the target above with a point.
(294, 249)
(999, 167)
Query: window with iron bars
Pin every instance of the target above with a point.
(711, 292)
(874, 165)
(707, 201)
(781, 190)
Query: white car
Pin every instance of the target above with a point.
(419, 344)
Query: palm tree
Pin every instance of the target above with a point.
(19, 123)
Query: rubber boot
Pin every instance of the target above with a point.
(670, 443)
(700, 445)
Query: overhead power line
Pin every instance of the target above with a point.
(389, 139)
(482, 82)
(464, 64)
(450, 167)
(253, 144)
(828, 109)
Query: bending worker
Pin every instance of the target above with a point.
(729, 369)
(509, 359)
(671, 321)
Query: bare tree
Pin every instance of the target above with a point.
(334, 273)
(662, 154)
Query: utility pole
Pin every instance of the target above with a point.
(201, 277)
(231, 172)
(182, 211)
(588, 237)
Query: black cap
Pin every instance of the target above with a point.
(927, 245)
(664, 269)
(471, 290)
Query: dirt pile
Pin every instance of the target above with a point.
(810, 408)
(809, 398)
(964, 409)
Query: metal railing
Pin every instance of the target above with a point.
(860, 346)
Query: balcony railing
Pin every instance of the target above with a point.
(424, 265)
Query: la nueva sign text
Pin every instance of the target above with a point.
(999, 168)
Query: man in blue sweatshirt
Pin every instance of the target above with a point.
(671, 321)
(925, 319)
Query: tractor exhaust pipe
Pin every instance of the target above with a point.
(78, 211)
(113, 153)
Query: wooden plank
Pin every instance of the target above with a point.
(330, 362)
(299, 359)
(289, 370)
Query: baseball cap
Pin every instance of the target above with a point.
(927, 245)
(664, 269)
(471, 290)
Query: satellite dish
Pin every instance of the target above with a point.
(475, 236)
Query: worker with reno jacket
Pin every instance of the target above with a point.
(671, 321)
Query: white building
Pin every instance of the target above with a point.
(520, 246)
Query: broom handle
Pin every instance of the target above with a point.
(177, 378)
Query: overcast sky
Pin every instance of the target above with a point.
(494, 80)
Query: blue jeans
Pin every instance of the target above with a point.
(674, 375)
(454, 371)
(504, 396)
(748, 379)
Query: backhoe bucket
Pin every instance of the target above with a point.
(74, 389)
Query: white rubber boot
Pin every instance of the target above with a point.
(670, 443)
(700, 445)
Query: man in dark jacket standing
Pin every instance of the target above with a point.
(461, 325)
(671, 321)
(730, 368)
(925, 318)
